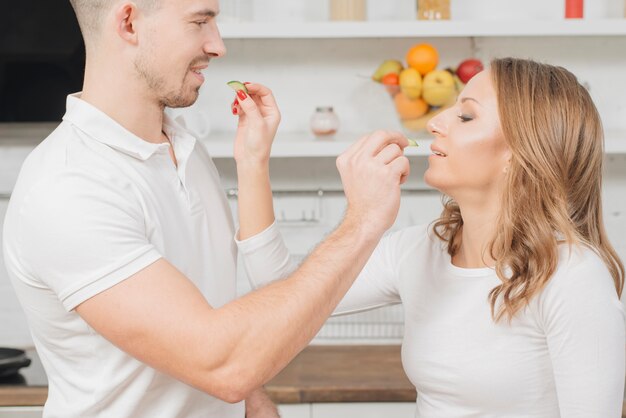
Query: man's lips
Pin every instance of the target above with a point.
(198, 69)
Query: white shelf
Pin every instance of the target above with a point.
(301, 145)
(294, 145)
(417, 29)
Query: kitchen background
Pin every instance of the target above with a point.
(309, 63)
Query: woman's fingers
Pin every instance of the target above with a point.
(249, 106)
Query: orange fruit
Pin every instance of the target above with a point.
(423, 57)
(391, 79)
(409, 108)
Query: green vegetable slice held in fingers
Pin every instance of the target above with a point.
(237, 85)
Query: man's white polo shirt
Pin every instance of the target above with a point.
(93, 205)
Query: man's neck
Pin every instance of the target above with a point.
(122, 100)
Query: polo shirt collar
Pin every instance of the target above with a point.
(102, 128)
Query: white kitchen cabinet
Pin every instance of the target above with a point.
(21, 412)
(302, 410)
(348, 409)
(363, 410)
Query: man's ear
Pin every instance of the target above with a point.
(125, 16)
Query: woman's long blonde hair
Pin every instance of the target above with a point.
(554, 182)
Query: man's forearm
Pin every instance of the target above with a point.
(270, 326)
(259, 405)
(255, 206)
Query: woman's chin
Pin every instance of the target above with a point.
(435, 183)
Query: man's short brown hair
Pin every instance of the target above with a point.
(90, 13)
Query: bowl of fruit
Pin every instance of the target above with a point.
(418, 89)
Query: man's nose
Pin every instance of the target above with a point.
(214, 44)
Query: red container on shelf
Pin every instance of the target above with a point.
(573, 9)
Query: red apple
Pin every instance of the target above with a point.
(468, 69)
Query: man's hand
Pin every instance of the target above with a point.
(258, 122)
(372, 170)
(259, 405)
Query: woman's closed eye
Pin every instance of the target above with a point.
(465, 117)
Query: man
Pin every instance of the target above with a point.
(119, 241)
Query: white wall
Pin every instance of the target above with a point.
(307, 73)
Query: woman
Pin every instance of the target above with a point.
(511, 297)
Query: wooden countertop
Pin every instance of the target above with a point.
(318, 374)
(343, 374)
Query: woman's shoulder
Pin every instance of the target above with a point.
(414, 240)
(581, 274)
(578, 262)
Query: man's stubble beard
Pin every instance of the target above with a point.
(156, 83)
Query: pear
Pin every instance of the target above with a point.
(387, 66)
(411, 83)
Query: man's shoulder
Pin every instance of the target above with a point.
(51, 178)
(66, 158)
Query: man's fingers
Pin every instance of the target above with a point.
(401, 168)
(380, 139)
(353, 149)
(389, 153)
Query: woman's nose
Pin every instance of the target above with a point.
(436, 126)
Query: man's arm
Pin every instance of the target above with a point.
(259, 405)
(160, 317)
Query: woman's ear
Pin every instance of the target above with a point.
(508, 157)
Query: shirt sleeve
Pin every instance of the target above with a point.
(80, 235)
(584, 324)
(266, 259)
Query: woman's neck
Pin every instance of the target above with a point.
(475, 236)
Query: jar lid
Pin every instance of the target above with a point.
(324, 109)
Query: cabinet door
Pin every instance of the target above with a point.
(295, 411)
(363, 410)
(21, 412)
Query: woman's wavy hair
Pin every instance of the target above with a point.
(554, 182)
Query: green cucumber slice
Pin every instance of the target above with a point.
(413, 142)
(237, 85)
